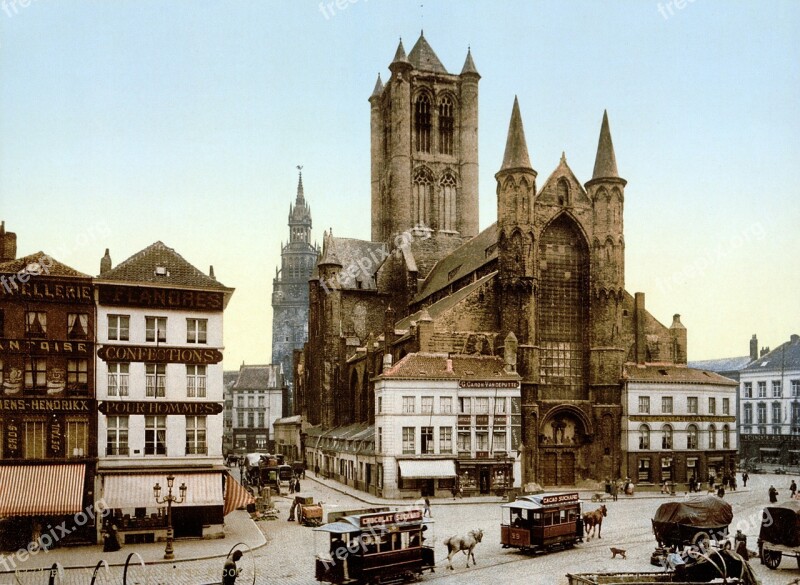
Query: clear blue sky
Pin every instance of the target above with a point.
(127, 122)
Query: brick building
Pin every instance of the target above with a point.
(550, 270)
(48, 411)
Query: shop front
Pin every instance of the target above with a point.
(476, 477)
(427, 477)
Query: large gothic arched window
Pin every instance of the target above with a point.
(447, 203)
(421, 198)
(446, 125)
(422, 123)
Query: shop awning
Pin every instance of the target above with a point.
(136, 490)
(421, 469)
(235, 496)
(41, 490)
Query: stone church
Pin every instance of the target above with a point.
(550, 270)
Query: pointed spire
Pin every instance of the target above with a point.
(399, 56)
(605, 164)
(469, 65)
(516, 155)
(423, 57)
(378, 87)
(329, 250)
(300, 196)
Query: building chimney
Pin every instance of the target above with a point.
(639, 318)
(425, 331)
(449, 365)
(753, 348)
(678, 334)
(211, 272)
(764, 351)
(388, 329)
(105, 263)
(387, 362)
(8, 244)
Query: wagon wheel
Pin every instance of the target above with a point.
(772, 558)
(595, 498)
(701, 540)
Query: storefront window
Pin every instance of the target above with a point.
(468, 479)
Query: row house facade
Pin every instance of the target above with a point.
(769, 403)
(678, 422)
(256, 403)
(160, 392)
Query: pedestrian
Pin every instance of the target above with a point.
(316, 470)
(741, 545)
(793, 488)
(745, 477)
(426, 510)
(692, 484)
(614, 490)
(297, 485)
(733, 482)
(721, 491)
(773, 494)
(454, 491)
(291, 486)
(111, 539)
(229, 570)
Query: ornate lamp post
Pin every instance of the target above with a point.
(169, 499)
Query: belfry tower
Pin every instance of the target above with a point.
(290, 288)
(424, 147)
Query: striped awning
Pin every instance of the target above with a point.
(135, 490)
(41, 490)
(235, 496)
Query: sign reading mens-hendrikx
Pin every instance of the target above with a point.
(159, 407)
(163, 355)
(160, 298)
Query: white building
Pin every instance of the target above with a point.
(160, 392)
(770, 406)
(446, 421)
(677, 422)
(257, 402)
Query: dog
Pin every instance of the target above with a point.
(618, 551)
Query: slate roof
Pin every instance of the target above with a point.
(46, 262)
(731, 364)
(141, 268)
(359, 255)
(469, 65)
(671, 374)
(423, 57)
(444, 304)
(258, 377)
(784, 357)
(605, 163)
(516, 153)
(465, 259)
(427, 366)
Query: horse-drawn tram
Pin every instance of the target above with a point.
(542, 521)
(384, 547)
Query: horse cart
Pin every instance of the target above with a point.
(780, 533)
(376, 548)
(542, 522)
(692, 522)
(308, 513)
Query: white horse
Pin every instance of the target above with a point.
(463, 543)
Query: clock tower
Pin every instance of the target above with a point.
(290, 290)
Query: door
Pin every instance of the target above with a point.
(549, 469)
(568, 468)
(484, 475)
(428, 488)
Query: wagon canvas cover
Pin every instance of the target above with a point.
(709, 512)
(781, 524)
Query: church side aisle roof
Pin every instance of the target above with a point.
(427, 366)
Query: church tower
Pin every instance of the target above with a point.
(424, 147)
(290, 288)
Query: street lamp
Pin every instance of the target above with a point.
(169, 499)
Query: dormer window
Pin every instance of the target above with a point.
(161, 271)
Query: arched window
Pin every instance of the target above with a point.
(420, 205)
(712, 437)
(447, 203)
(446, 125)
(644, 437)
(726, 437)
(666, 437)
(691, 437)
(422, 123)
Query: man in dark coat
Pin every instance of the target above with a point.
(773, 494)
(229, 571)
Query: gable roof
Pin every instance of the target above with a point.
(465, 259)
(361, 257)
(141, 268)
(48, 266)
(427, 366)
(671, 374)
(258, 377)
(784, 357)
(731, 364)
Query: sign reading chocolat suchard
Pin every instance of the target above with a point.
(164, 355)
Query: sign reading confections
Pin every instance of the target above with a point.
(160, 407)
(45, 347)
(482, 384)
(160, 298)
(159, 354)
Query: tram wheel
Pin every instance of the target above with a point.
(772, 558)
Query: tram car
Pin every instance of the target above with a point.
(542, 522)
(374, 548)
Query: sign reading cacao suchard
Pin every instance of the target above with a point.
(163, 355)
(160, 407)
(160, 298)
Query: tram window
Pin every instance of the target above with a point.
(414, 539)
(563, 516)
(384, 544)
(537, 517)
(370, 544)
(396, 542)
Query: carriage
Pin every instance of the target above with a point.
(694, 521)
(308, 513)
(374, 548)
(273, 475)
(780, 533)
(542, 521)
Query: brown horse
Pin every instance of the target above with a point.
(463, 543)
(594, 519)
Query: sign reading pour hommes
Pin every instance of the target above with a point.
(161, 407)
(164, 355)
